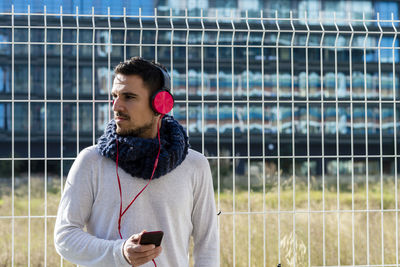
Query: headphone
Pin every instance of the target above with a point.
(162, 100)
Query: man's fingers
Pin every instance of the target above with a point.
(151, 254)
(144, 257)
(140, 248)
(136, 237)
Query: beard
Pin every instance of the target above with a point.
(136, 131)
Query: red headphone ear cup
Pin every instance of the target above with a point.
(163, 102)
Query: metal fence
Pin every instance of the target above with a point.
(297, 116)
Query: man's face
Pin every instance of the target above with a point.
(132, 112)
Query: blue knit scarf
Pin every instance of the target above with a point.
(137, 155)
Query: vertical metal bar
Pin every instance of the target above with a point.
(141, 32)
(322, 139)
(77, 81)
(12, 138)
(248, 141)
(125, 37)
(187, 72)
(337, 139)
(218, 137)
(308, 143)
(156, 37)
(293, 140)
(61, 108)
(93, 79)
(395, 137)
(366, 130)
(202, 81)
(278, 131)
(233, 139)
(109, 60)
(351, 138)
(263, 138)
(380, 134)
(45, 136)
(172, 52)
(29, 135)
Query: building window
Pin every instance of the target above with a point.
(5, 79)
(53, 81)
(21, 79)
(5, 49)
(5, 116)
(223, 3)
(283, 7)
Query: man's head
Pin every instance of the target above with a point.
(136, 80)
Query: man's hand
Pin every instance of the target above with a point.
(137, 254)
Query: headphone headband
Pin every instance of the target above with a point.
(162, 100)
(166, 80)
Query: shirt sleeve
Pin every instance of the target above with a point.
(71, 241)
(204, 219)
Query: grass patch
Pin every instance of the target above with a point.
(308, 238)
(267, 232)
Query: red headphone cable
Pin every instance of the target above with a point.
(121, 213)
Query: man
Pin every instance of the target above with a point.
(179, 199)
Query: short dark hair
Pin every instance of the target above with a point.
(152, 76)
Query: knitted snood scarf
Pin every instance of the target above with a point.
(137, 155)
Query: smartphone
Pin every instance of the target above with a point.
(154, 237)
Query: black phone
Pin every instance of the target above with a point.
(154, 237)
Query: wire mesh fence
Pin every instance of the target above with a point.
(298, 117)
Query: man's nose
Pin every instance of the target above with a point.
(116, 104)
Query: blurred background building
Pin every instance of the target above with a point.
(195, 78)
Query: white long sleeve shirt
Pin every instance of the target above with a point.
(180, 204)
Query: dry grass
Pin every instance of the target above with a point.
(42, 251)
(278, 248)
(299, 237)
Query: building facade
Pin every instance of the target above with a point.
(63, 88)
